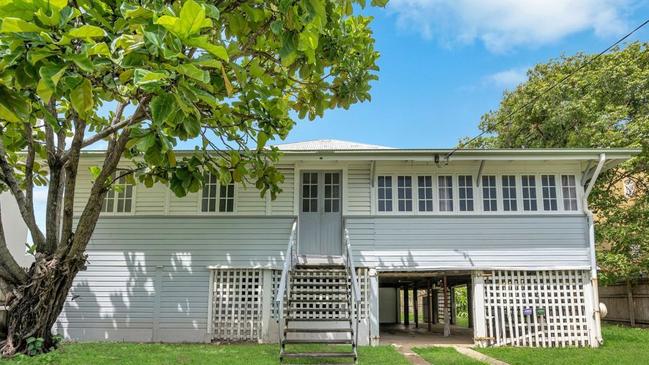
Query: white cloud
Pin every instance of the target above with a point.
(505, 24)
(508, 79)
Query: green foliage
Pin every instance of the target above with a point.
(603, 105)
(230, 74)
(35, 346)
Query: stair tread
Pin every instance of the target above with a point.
(319, 309)
(318, 330)
(344, 319)
(319, 291)
(339, 301)
(318, 354)
(328, 341)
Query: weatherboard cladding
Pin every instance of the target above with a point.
(147, 278)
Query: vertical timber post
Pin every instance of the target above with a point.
(480, 323)
(374, 324)
(453, 305)
(415, 306)
(266, 304)
(430, 306)
(469, 303)
(406, 306)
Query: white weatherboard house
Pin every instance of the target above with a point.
(354, 224)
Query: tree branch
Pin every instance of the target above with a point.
(71, 169)
(26, 211)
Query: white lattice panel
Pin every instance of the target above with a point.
(237, 304)
(536, 308)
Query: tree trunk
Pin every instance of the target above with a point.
(36, 306)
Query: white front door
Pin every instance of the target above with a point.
(320, 231)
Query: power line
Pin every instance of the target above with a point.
(551, 87)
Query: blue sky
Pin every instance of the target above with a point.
(444, 63)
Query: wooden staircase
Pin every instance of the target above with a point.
(319, 310)
(317, 303)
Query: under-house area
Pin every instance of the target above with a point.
(431, 307)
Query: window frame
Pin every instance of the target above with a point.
(114, 212)
(218, 200)
(577, 195)
(478, 207)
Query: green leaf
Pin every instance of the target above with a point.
(194, 72)
(49, 78)
(144, 77)
(171, 23)
(162, 106)
(202, 42)
(81, 97)
(94, 171)
(13, 108)
(192, 18)
(17, 25)
(86, 32)
(99, 49)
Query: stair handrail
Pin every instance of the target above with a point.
(356, 290)
(289, 262)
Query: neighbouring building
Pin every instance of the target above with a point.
(513, 225)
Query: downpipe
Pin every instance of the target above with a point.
(591, 242)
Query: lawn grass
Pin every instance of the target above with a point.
(445, 356)
(189, 354)
(622, 345)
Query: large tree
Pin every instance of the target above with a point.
(140, 76)
(603, 104)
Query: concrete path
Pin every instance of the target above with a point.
(412, 356)
(415, 359)
(469, 352)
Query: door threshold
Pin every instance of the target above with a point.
(320, 260)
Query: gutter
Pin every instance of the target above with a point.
(591, 241)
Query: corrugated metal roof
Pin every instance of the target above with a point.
(328, 145)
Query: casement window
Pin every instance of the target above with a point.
(404, 193)
(331, 192)
(465, 191)
(549, 188)
(385, 193)
(216, 195)
(119, 199)
(509, 193)
(529, 192)
(569, 191)
(489, 194)
(425, 193)
(445, 193)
